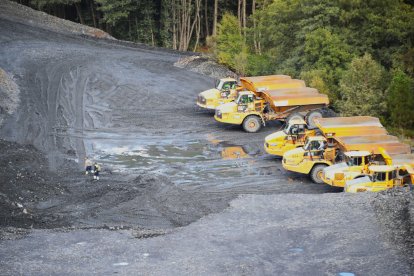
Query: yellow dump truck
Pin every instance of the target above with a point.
(382, 177)
(320, 152)
(292, 136)
(226, 89)
(252, 109)
(296, 131)
(338, 174)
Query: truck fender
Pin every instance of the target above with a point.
(262, 118)
(319, 163)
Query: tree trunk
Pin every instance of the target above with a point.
(174, 27)
(93, 14)
(256, 48)
(206, 17)
(215, 17)
(129, 29)
(239, 13)
(244, 19)
(79, 12)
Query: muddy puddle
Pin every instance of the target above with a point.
(186, 161)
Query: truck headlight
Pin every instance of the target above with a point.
(218, 113)
(201, 99)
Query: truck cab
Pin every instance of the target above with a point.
(292, 136)
(223, 92)
(246, 107)
(382, 177)
(310, 159)
(355, 165)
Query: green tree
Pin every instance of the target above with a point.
(114, 11)
(400, 100)
(42, 4)
(319, 79)
(230, 46)
(324, 59)
(362, 88)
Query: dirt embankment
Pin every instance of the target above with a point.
(25, 180)
(205, 66)
(395, 212)
(9, 95)
(13, 10)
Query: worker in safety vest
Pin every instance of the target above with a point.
(88, 166)
(96, 169)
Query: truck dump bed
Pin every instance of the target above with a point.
(350, 126)
(286, 99)
(256, 86)
(265, 78)
(287, 91)
(372, 144)
(403, 159)
(348, 121)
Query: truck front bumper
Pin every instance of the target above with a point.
(273, 150)
(205, 106)
(301, 167)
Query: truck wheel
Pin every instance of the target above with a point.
(293, 116)
(316, 174)
(252, 123)
(311, 116)
(328, 113)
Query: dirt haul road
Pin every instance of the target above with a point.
(166, 164)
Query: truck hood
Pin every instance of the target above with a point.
(294, 152)
(357, 182)
(276, 137)
(210, 94)
(227, 108)
(333, 169)
(294, 157)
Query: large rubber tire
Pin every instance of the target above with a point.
(252, 123)
(294, 116)
(311, 116)
(316, 173)
(328, 113)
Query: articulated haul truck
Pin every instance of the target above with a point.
(252, 109)
(320, 152)
(226, 89)
(297, 130)
(339, 174)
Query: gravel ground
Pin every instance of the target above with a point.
(179, 193)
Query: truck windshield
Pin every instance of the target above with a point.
(379, 176)
(286, 129)
(244, 99)
(314, 145)
(238, 101)
(219, 84)
(307, 145)
(354, 161)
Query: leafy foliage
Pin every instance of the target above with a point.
(114, 11)
(400, 100)
(362, 88)
(230, 43)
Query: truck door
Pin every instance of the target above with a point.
(315, 149)
(243, 103)
(250, 103)
(380, 179)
